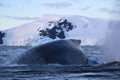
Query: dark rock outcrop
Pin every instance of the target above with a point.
(58, 30)
(1, 36)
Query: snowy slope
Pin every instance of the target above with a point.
(90, 31)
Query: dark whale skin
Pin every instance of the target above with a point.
(63, 52)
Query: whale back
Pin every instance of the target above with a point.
(60, 52)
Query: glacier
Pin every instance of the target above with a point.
(91, 31)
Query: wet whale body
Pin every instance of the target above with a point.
(63, 52)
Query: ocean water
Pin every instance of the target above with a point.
(99, 71)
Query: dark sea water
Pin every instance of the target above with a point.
(98, 71)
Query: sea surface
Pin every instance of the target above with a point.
(94, 71)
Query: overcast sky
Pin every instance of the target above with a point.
(18, 12)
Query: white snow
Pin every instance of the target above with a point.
(89, 30)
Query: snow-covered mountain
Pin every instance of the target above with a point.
(90, 31)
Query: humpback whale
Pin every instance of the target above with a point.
(63, 52)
